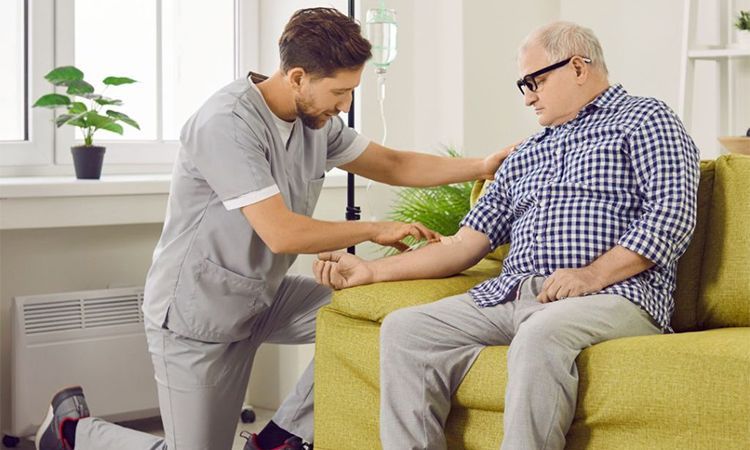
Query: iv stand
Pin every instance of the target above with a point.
(352, 211)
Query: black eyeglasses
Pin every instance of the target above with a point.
(529, 81)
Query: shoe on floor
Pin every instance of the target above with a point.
(293, 443)
(67, 405)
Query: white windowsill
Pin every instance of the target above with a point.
(50, 202)
(44, 187)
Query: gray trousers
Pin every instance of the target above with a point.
(426, 351)
(202, 385)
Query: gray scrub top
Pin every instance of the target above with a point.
(211, 273)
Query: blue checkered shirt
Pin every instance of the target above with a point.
(623, 172)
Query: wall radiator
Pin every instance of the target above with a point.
(91, 338)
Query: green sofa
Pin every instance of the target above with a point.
(688, 390)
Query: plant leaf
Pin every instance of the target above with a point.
(62, 119)
(79, 120)
(107, 101)
(52, 101)
(79, 87)
(123, 117)
(116, 81)
(77, 108)
(61, 76)
(102, 122)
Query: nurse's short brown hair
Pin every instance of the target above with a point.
(322, 41)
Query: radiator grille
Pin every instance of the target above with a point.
(64, 313)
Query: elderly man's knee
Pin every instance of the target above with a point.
(537, 335)
(401, 325)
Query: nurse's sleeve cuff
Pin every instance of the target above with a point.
(251, 197)
(352, 152)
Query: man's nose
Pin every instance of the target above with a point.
(345, 103)
(529, 97)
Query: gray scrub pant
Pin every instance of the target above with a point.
(202, 385)
(426, 351)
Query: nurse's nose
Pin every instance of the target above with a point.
(345, 103)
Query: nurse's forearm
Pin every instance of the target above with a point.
(284, 231)
(302, 234)
(420, 169)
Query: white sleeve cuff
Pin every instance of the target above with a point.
(251, 197)
(358, 145)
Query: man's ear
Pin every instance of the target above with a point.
(295, 76)
(581, 69)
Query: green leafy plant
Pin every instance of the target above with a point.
(743, 21)
(439, 208)
(79, 92)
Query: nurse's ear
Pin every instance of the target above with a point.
(295, 78)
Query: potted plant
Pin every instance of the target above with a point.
(87, 158)
(743, 28)
(439, 208)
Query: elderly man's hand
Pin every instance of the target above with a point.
(564, 283)
(492, 162)
(341, 270)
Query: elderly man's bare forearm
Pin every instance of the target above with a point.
(450, 256)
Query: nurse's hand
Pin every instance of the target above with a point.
(392, 233)
(341, 270)
(492, 162)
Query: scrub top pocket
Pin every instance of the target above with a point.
(224, 301)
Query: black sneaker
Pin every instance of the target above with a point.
(293, 443)
(67, 405)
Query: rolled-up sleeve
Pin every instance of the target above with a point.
(665, 163)
(492, 215)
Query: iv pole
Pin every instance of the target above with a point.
(352, 211)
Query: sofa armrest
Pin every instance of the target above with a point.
(373, 302)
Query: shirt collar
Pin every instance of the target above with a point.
(610, 98)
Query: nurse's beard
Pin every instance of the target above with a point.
(309, 120)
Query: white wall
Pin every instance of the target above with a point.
(643, 52)
(642, 43)
(494, 114)
(53, 260)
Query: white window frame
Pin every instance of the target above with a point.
(37, 150)
(51, 43)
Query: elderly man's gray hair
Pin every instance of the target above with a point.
(561, 40)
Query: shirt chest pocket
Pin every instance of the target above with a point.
(596, 164)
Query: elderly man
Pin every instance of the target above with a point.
(598, 207)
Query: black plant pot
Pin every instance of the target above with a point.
(88, 161)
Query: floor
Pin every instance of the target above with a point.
(153, 426)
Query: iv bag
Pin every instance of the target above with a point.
(381, 32)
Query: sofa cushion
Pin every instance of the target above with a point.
(724, 299)
(684, 317)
